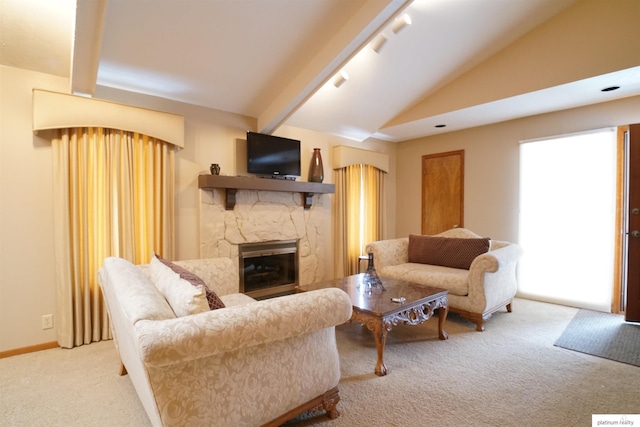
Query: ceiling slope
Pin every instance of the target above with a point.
(460, 63)
(257, 58)
(563, 63)
(445, 39)
(36, 35)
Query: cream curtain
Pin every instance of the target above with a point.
(359, 214)
(113, 196)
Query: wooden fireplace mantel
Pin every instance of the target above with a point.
(231, 184)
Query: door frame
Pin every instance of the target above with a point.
(626, 285)
(631, 224)
(617, 299)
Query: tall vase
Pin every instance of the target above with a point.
(371, 279)
(316, 171)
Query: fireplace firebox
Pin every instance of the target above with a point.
(268, 269)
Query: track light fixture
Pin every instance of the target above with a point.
(378, 43)
(340, 78)
(400, 23)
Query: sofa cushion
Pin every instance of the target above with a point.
(446, 251)
(183, 297)
(212, 299)
(455, 280)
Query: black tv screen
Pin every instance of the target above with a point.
(273, 156)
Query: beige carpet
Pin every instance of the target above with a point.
(509, 375)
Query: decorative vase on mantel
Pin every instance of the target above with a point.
(214, 169)
(316, 171)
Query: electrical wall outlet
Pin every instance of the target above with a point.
(47, 321)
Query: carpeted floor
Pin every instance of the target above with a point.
(604, 335)
(509, 375)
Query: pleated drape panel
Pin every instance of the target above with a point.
(113, 196)
(359, 214)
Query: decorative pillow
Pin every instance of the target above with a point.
(212, 299)
(446, 251)
(182, 296)
(139, 298)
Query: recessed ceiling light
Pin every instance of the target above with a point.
(610, 88)
(440, 126)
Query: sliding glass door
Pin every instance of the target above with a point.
(567, 219)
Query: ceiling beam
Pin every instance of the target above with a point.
(90, 17)
(362, 28)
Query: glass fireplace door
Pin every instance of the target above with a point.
(268, 269)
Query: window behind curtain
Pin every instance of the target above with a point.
(359, 213)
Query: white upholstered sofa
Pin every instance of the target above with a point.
(250, 363)
(476, 292)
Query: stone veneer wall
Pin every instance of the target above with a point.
(261, 216)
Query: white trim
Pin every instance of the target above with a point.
(52, 110)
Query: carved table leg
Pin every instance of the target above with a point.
(442, 316)
(380, 333)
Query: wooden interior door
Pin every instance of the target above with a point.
(442, 191)
(631, 227)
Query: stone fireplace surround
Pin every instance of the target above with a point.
(263, 216)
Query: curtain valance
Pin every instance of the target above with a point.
(52, 110)
(344, 156)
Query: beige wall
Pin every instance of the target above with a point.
(325, 142)
(27, 289)
(26, 245)
(491, 164)
(26, 221)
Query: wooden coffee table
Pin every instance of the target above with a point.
(375, 309)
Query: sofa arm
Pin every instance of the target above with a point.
(167, 342)
(496, 259)
(499, 283)
(389, 252)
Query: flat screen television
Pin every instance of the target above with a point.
(273, 156)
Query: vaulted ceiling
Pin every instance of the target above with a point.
(460, 63)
